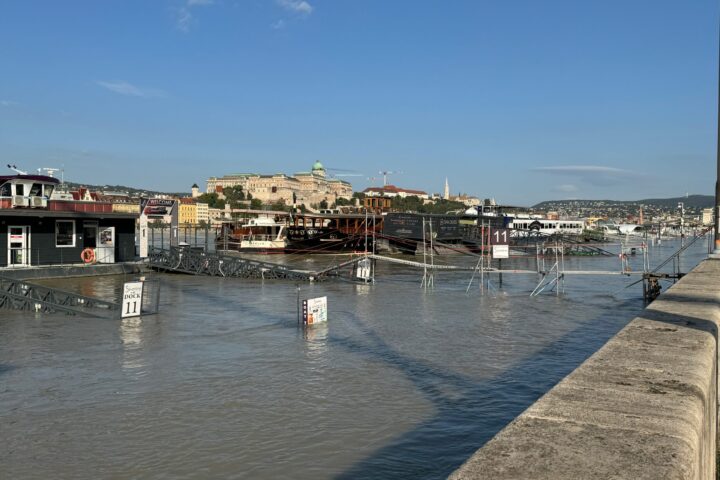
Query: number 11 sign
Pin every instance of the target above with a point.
(500, 240)
(132, 299)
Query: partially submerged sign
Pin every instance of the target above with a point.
(132, 299)
(364, 269)
(314, 310)
(500, 241)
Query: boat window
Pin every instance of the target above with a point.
(19, 189)
(5, 190)
(65, 233)
(35, 189)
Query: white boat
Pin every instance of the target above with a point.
(257, 235)
(544, 226)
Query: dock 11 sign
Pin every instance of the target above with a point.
(314, 310)
(132, 299)
(500, 241)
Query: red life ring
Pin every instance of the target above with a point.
(88, 255)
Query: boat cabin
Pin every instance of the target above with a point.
(37, 229)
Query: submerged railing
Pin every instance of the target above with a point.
(30, 297)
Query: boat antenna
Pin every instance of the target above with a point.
(16, 170)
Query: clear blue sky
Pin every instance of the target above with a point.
(521, 100)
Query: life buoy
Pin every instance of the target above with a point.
(88, 255)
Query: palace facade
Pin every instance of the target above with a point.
(309, 188)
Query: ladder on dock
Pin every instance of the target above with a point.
(30, 297)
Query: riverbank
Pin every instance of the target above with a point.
(643, 406)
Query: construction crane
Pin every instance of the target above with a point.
(385, 174)
(345, 173)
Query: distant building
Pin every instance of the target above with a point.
(708, 214)
(187, 211)
(192, 212)
(467, 200)
(393, 191)
(217, 215)
(203, 212)
(308, 188)
(195, 190)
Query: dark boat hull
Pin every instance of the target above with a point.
(324, 240)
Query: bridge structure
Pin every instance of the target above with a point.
(30, 297)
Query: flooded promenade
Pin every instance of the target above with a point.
(401, 382)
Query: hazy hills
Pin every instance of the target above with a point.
(690, 201)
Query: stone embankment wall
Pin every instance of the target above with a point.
(643, 407)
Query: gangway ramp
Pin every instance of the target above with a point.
(194, 262)
(30, 297)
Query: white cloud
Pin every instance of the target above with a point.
(125, 88)
(298, 6)
(280, 24)
(184, 19)
(185, 16)
(8, 103)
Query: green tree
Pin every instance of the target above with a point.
(279, 205)
(212, 200)
(323, 204)
(234, 195)
(256, 204)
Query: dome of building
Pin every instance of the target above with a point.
(318, 166)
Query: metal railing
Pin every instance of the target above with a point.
(188, 260)
(21, 295)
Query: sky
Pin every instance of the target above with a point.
(517, 100)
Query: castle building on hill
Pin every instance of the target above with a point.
(309, 188)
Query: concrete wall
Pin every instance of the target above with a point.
(643, 407)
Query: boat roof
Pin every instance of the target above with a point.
(34, 178)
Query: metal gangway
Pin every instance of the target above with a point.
(198, 262)
(30, 297)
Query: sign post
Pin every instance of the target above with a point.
(132, 300)
(500, 240)
(314, 310)
(164, 210)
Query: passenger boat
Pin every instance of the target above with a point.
(523, 227)
(255, 235)
(332, 232)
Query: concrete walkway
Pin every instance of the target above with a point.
(643, 407)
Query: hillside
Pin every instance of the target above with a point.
(690, 202)
(133, 192)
